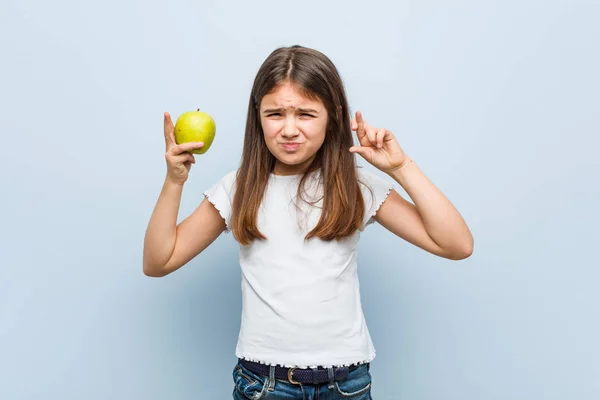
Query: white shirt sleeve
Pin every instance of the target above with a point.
(375, 190)
(221, 196)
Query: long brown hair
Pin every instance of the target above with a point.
(317, 78)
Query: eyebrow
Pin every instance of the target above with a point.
(302, 110)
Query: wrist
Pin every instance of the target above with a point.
(402, 173)
(402, 166)
(173, 184)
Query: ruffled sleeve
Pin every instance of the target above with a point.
(375, 190)
(221, 196)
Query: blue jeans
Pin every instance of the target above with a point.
(248, 385)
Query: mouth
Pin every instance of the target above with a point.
(290, 146)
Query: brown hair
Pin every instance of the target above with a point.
(317, 78)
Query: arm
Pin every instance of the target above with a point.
(167, 246)
(432, 223)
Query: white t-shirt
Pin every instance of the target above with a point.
(301, 302)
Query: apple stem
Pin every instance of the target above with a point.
(198, 109)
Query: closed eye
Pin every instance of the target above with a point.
(278, 114)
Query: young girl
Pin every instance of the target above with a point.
(297, 205)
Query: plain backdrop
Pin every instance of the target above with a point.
(497, 102)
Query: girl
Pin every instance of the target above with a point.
(297, 205)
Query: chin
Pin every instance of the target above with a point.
(291, 160)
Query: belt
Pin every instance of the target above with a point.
(299, 375)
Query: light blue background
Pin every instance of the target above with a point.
(496, 101)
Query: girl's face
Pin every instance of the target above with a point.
(294, 128)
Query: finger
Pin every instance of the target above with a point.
(353, 124)
(169, 131)
(188, 146)
(182, 158)
(371, 135)
(379, 137)
(360, 124)
(365, 152)
(190, 158)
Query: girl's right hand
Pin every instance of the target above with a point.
(178, 156)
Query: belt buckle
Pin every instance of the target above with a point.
(290, 372)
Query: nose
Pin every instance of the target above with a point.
(289, 129)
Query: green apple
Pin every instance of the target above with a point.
(195, 126)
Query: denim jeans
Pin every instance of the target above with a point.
(248, 385)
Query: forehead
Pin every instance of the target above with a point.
(287, 95)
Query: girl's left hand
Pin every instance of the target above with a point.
(378, 146)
